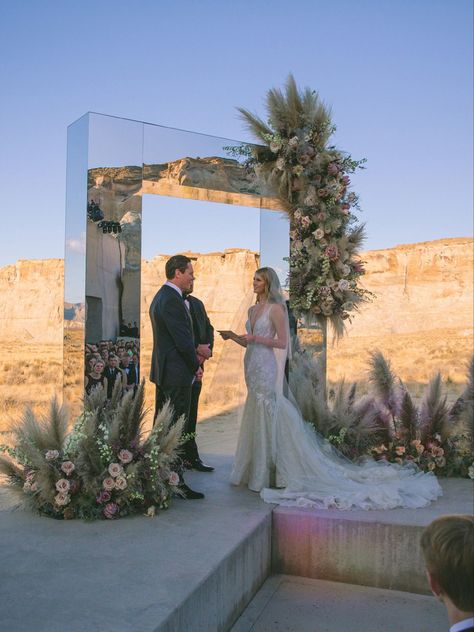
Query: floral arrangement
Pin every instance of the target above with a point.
(386, 424)
(103, 468)
(312, 181)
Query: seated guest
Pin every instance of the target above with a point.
(112, 373)
(95, 377)
(131, 378)
(448, 548)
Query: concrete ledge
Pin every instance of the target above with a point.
(372, 548)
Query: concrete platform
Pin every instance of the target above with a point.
(296, 604)
(196, 566)
(193, 567)
(372, 548)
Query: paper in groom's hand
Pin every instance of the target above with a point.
(227, 334)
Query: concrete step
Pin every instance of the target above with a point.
(298, 604)
(372, 548)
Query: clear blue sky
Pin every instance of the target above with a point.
(397, 73)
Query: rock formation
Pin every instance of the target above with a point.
(421, 316)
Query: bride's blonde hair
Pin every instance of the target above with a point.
(272, 285)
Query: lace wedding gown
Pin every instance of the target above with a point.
(278, 449)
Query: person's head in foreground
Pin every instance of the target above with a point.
(448, 548)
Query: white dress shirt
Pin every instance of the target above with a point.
(465, 624)
(175, 287)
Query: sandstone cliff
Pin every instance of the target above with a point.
(421, 317)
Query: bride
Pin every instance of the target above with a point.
(279, 454)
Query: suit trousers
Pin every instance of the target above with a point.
(190, 447)
(180, 399)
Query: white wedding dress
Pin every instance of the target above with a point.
(278, 449)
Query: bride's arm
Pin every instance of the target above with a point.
(279, 320)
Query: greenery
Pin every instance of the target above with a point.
(386, 423)
(104, 468)
(311, 178)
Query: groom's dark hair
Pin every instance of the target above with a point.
(177, 262)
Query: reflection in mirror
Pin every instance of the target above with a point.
(113, 251)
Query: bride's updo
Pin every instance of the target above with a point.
(272, 285)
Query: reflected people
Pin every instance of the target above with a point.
(174, 362)
(279, 454)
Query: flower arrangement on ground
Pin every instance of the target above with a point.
(103, 468)
(311, 178)
(386, 424)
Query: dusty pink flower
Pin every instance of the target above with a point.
(108, 483)
(305, 221)
(51, 455)
(173, 478)
(332, 169)
(332, 252)
(345, 206)
(68, 467)
(125, 456)
(62, 499)
(400, 450)
(120, 483)
(346, 180)
(110, 510)
(318, 233)
(63, 485)
(115, 469)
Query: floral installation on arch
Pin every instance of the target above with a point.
(103, 468)
(311, 178)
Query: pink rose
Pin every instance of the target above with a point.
(110, 510)
(120, 483)
(125, 456)
(63, 485)
(332, 252)
(68, 467)
(108, 483)
(62, 499)
(173, 478)
(115, 469)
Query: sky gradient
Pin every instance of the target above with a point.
(397, 75)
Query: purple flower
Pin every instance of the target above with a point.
(110, 510)
(103, 497)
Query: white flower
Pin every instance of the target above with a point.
(115, 469)
(470, 471)
(108, 484)
(120, 482)
(51, 455)
(125, 456)
(68, 467)
(62, 499)
(293, 142)
(343, 284)
(173, 478)
(346, 269)
(63, 485)
(307, 138)
(318, 233)
(151, 511)
(275, 146)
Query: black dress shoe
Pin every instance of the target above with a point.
(188, 493)
(199, 466)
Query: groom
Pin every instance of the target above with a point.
(174, 362)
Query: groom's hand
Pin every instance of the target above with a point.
(204, 351)
(199, 374)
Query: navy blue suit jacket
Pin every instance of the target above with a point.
(174, 361)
